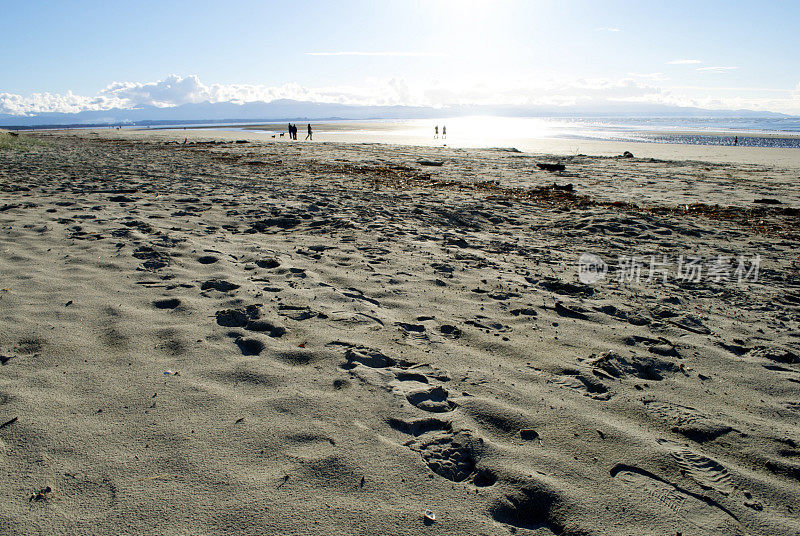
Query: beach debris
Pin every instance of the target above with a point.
(13, 134)
(435, 163)
(170, 372)
(627, 154)
(40, 495)
(528, 434)
(551, 167)
(429, 516)
(562, 187)
(767, 201)
(9, 423)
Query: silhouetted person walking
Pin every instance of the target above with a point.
(308, 136)
(436, 131)
(736, 140)
(444, 132)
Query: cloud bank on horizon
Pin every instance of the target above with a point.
(176, 90)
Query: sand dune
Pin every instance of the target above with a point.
(278, 338)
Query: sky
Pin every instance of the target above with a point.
(78, 55)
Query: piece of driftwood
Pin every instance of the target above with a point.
(551, 167)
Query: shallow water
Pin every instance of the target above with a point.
(508, 132)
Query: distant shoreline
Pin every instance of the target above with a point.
(545, 147)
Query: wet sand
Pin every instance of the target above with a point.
(267, 337)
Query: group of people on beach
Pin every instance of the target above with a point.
(436, 131)
(293, 132)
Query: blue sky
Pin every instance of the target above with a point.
(81, 54)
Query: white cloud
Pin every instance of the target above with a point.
(532, 90)
(49, 102)
(652, 77)
(607, 29)
(716, 69)
(684, 62)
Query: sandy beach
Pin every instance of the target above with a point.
(207, 332)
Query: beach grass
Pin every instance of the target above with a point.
(21, 142)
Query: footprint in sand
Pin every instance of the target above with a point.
(29, 346)
(369, 357)
(249, 346)
(685, 506)
(571, 311)
(267, 263)
(432, 399)
(708, 474)
(266, 327)
(448, 453)
(238, 318)
(310, 446)
(562, 287)
(450, 331)
(687, 421)
(219, 284)
(583, 383)
(528, 507)
(153, 259)
(248, 318)
(81, 497)
(413, 333)
(296, 312)
(403, 376)
(207, 259)
(417, 427)
(166, 303)
(644, 367)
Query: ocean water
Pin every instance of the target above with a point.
(502, 131)
(522, 131)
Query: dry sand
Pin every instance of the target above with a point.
(289, 338)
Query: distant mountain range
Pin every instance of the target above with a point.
(290, 110)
